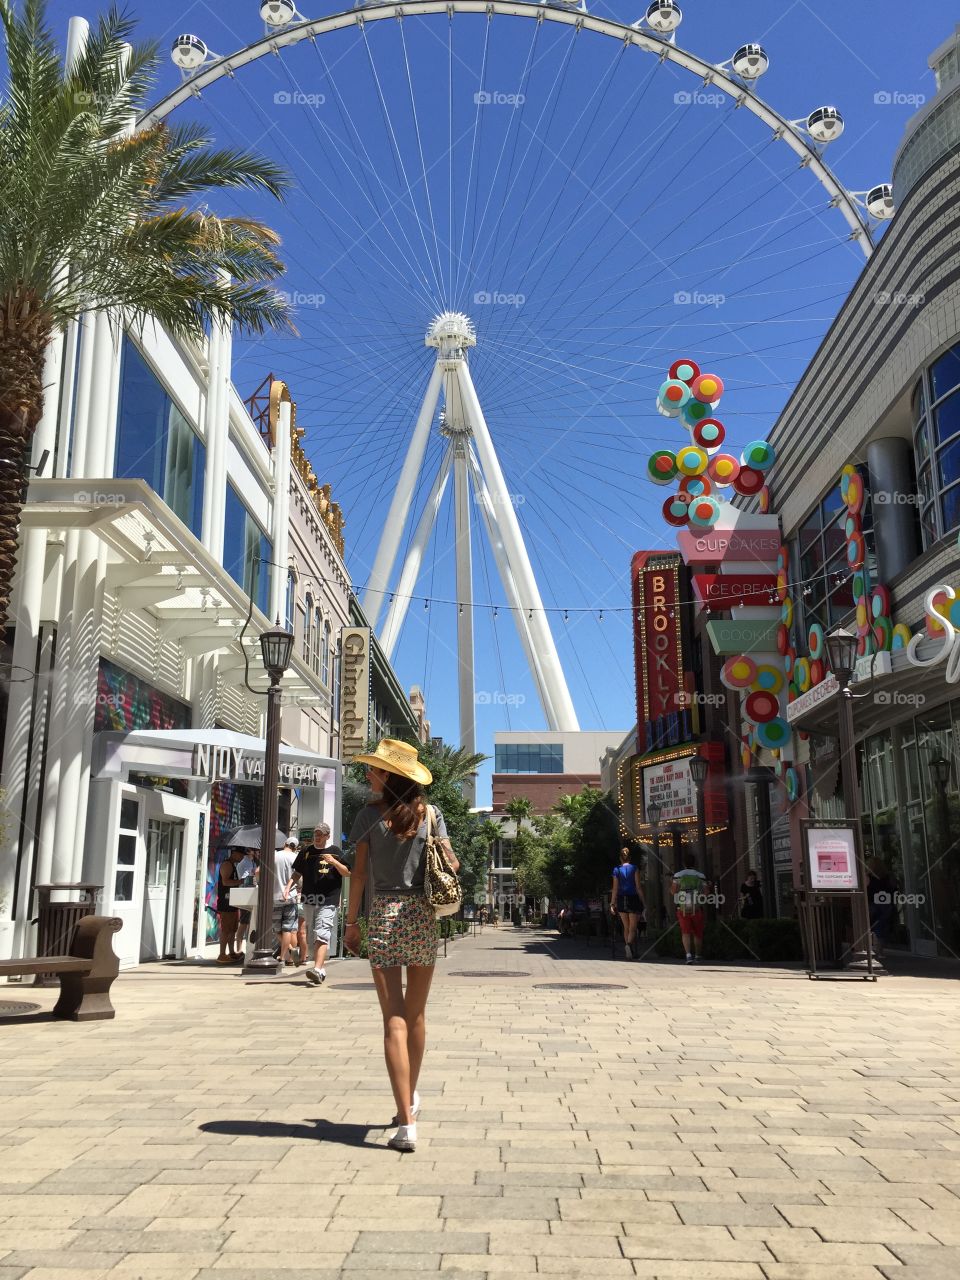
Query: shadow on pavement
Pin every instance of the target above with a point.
(345, 1135)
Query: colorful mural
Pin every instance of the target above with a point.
(232, 805)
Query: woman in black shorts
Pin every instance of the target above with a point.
(626, 899)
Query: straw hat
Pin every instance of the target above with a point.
(398, 757)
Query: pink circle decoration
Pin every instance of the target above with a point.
(707, 387)
(761, 706)
(723, 468)
(738, 673)
(783, 639)
(818, 669)
(880, 602)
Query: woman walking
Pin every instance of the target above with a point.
(390, 835)
(626, 899)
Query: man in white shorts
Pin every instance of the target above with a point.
(319, 874)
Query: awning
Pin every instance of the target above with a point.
(155, 564)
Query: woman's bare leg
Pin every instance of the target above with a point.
(419, 978)
(389, 984)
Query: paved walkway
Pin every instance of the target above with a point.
(704, 1123)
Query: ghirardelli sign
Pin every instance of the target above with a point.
(354, 691)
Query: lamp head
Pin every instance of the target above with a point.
(653, 814)
(698, 770)
(276, 646)
(940, 768)
(842, 651)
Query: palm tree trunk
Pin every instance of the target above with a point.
(23, 342)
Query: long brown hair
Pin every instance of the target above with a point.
(403, 805)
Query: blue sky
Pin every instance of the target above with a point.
(619, 214)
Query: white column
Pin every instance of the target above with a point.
(411, 566)
(379, 578)
(554, 681)
(216, 432)
(510, 588)
(279, 571)
(465, 656)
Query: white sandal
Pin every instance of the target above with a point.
(415, 1109)
(405, 1139)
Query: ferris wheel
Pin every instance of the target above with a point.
(507, 213)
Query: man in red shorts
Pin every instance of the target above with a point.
(690, 888)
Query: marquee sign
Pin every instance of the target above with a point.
(354, 691)
(658, 646)
(233, 764)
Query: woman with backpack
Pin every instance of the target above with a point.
(390, 837)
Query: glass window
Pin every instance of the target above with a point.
(950, 503)
(945, 374)
(325, 655)
(947, 417)
(919, 401)
(156, 443)
(246, 550)
(928, 525)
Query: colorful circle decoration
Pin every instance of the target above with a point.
(704, 512)
(854, 494)
(848, 471)
(902, 635)
(662, 466)
(691, 460)
(815, 640)
(859, 585)
(863, 616)
(769, 678)
(818, 671)
(791, 781)
(773, 734)
(684, 371)
(880, 602)
(745, 755)
(856, 551)
(801, 674)
(675, 510)
(764, 500)
(707, 387)
(723, 468)
(789, 661)
(783, 639)
(783, 557)
(761, 706)
(738, 673)
(759, 455)
(940, 606)
(783, 585)
(749, 482)
(883, 633)
(696, 486)
(695, 411)
(673, 395)
(786, 613)
(851, 526)
(709, 433)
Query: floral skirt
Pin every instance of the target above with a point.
(402, 930)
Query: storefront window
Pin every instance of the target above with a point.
(825, 579)
(945, 373)
(247, 550)
(947, 417)
(156, 443)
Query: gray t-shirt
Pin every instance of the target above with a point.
(396, 866)
(283, 869)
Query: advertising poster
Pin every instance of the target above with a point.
(671, 787)
(832, 858)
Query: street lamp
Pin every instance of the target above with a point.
(698, 772)
(842, 651)
(654, 811)
(940, 768)
(276, 646)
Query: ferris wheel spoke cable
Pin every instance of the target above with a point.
(423, 163)
(367, 166)
(477, 130)
(401, 168)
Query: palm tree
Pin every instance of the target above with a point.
(519, 808)
(97, 217)
(451, 764)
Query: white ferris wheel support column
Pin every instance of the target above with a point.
(411, 565)
(377, 583)
(564, 716)
(465, 656)
(510, 587)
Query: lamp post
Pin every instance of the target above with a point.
(698, 772)
(653, 817)
(276, 645)
(842, 652)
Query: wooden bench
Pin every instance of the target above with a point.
(86, 974)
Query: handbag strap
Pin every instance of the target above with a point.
(431, 821)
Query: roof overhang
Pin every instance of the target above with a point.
(209, 755)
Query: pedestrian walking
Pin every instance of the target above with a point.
(690, 888)
(284, 902)
(247, 867)
(751, 898)
(390, 835)
(227, 879)
(626, 900)
(319, 874)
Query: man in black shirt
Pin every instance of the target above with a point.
(319, 875)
